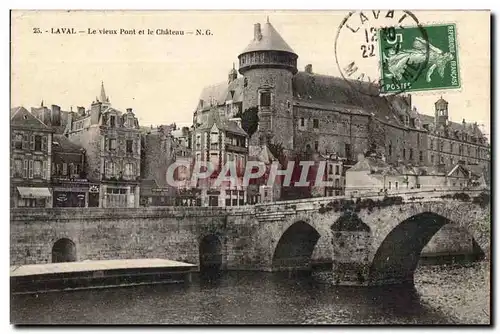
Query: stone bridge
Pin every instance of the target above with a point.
(366, 244)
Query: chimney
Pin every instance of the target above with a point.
(463, 121)
(257, 34)
(309, 69)
(129, 110)
(80, 111)
(55, 115)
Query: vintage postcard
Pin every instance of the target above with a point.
(250, 167)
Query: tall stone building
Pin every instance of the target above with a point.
(304, 111)
(112, 141)
(451, 142)
(158, 153)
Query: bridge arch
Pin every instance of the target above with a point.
(210, 252)
(295, 247)
(64, 250)
(396, 258)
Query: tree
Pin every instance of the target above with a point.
(249, 120)
(278, 151)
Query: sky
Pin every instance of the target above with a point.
(161, 76)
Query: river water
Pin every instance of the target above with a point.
(453, 294)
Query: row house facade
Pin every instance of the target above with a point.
(30, 160)
(220, 141)
(112, 141)
(70, 185)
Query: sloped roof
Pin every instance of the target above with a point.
(222, 124)
(64, 144)
(458, 167)
(327, 90)
(374, 166)
(221, 92)
(19, 116)
(270, 40)
(431, 170)
(470, 128)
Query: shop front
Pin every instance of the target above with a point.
(75, 193)
(117, 196)
(32, 196)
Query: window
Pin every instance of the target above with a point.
(432, 144)
(337, 183)
(18, 167)
(242, 198)
(30, 169)
(112, 144)
(112, 121)
(442, 160)
(396, 184)
(390, 149)
(130, 145)
(348, 151)
(421, 156)
(38, 143)
(452, 161)
(451, 147)
(198, 141)
(18, 141)
(129, 170)
(37, 168)
(64, 169)
(25, 168)
(404, 153)
(411, 154)
(441, 145)
(389, 184)
(330, 169)
(432, 158)
(337, 170)
(26, 141)
(110, 168)
(316, 123)
(316, 145)
(265, 99)
(302, 122)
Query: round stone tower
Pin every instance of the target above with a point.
(268, 65)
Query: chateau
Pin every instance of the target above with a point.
(308, 112)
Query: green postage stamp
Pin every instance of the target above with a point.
(418, 58)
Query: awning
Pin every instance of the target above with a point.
(26, 192)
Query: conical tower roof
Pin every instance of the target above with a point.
(267, 38)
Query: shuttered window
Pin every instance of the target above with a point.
(30, 169)
(25, 168)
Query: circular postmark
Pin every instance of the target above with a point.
(381, 52)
